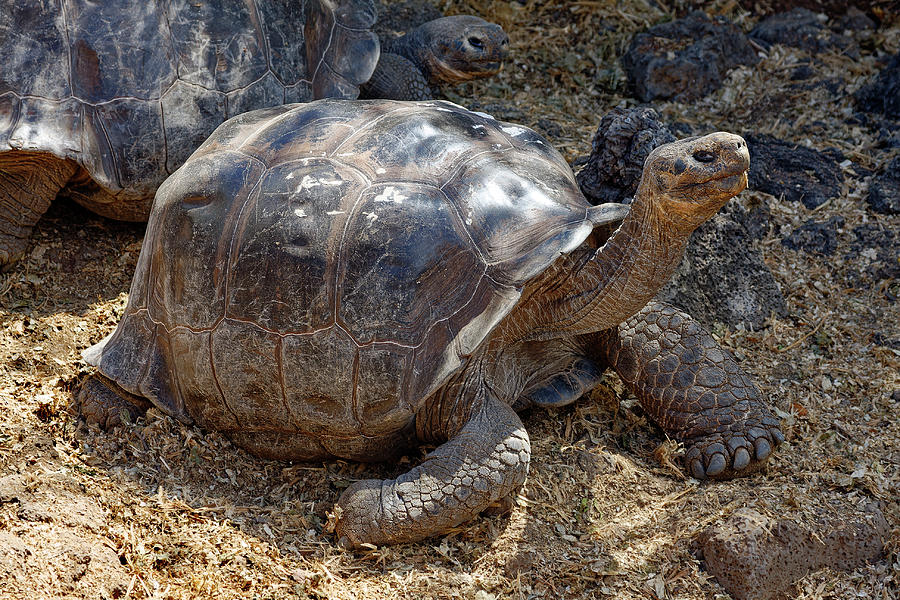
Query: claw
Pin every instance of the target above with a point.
(777, 436)
(736, 442)
(717, 464)
(697, 469)
(763, 449)
(741, 458)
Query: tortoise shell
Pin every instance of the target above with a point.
(321, 269)
(129, 88)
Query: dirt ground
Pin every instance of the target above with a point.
(155, 509)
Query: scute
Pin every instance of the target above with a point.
(36, 64)
(190, 115)
(281, 272)
(521, 211)
(189, 236)
(406, 263)
(319, 380)
(53, 126)
(245, 359)
(120, 53)
(218, 45)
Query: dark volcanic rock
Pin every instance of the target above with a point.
(883, 95)
(815, 238)
(797, 173)
(801, 28)
(624, 139)
(755, 557)
(833, 8)
(884, 193)
(873, 256)
(685, 59)
(723, 276)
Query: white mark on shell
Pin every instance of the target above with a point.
(391, 194)
(332, 213)
(513, 131)
(310, 182)
(299, 212)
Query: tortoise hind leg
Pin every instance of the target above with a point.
(29, 181)
(102, 402)
(694, 390)
(481, 462)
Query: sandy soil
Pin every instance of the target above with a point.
(155, 509)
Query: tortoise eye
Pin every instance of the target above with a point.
(476, 42)
(704, 156)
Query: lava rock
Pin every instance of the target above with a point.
(624, 139)
(801, 28)
(797, 173)
(883, 95)
(884, 192)
(723, 277)
(833, 8)
(874, 255)
(815, 238)
(755, 557)
(685, 59)
(854, 20)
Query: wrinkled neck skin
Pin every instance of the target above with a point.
(415, 47)
(591, 290)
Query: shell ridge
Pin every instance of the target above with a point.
(259, 25)
(322, 62)
(165, 139)
(369, 124)
(340, 266)
(462, 225)
(115, 159)
(215, 378)
(234, 234)
(65, 17)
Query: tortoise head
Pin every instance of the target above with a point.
(461, 48)
(693, 178)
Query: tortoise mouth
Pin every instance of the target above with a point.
(468, 70)
(488, 67)
(733, 172)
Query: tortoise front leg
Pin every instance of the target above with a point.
(29, 181)
(396, 78)
(484, 461)
(694, 390)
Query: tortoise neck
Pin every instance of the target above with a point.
(591, 290)
(412, 46)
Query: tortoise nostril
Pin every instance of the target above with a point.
(476, 42)
(704, 156)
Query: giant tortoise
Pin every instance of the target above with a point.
(103, 100)
(347, 279)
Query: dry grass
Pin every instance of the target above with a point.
(159, 510)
